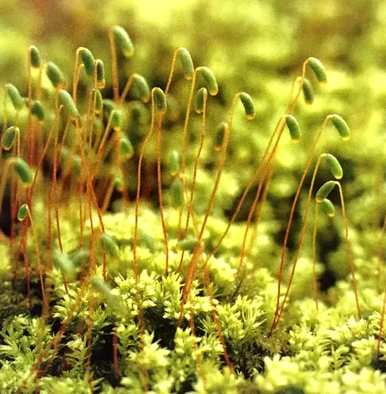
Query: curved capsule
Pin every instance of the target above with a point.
(325, 190)
(200, 100)
(88, 60)
(37, 110)
(140, 83)
(109, 245)
(34, 57)
(308, 91)
(9, 137)
(219, 136)
(63, 262)
(333, 165)
(22, 212)
(174, 162)
(98, 101)
(177, 198)
(100, 74)
(123, 41)
(102, 287)
(293, 127)
(248, 104)
(186, 63)
(23, 170)
(209, 78)
(15, 96)
(116, 119)
(68, 103)
(327, 207)
(54, 74)
(341, 126)
(160, 101)
(318, 69)
(187, 244)
(126, 148)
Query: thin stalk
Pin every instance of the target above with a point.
(381, 324)
(159, 189)
(114, 66)
(281, 306)
(171, 72)
(126, 89)
(194, 178)
(291, 217)
(314, 278)
(349, 251)
(199, 248)
(184, 145)
(138, 192)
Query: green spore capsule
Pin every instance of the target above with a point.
(147, 240)
(174, 162)
(186, 63)
(63, 263)
(116, 119)
(101, 287)
(68, 103)
(23, 170)
(219, 136)
(15, 96)
(177, 198)
(187, 244)
(248, 104)
(118, 183)
(88, 60)
(333, 165)
(126, 149)
(325, 190)
(22, 212)
(200, 99)
(100, 74)
(327, 207)
(341, 126)
(34, 57)
(308, 91)
(123, 41)
(76, 162)
(9, 137)
(293, 127)
(55, 75)
(142, 87)
(160, 101)
(98, 101)
(108, 106)
(318, 69)
(210, 80)
(80, 258)
(109, 245)
(37, 110)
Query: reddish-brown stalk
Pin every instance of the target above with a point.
(197, 253)
(114, 66)
(291, 215)
(194, 178)
(300, 243)
(314, 278)
(159, 118)
(126, 89)
(184, 146)
(171, 72)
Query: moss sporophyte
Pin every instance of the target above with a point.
(129, 273)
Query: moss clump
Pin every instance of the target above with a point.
(117, 289)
